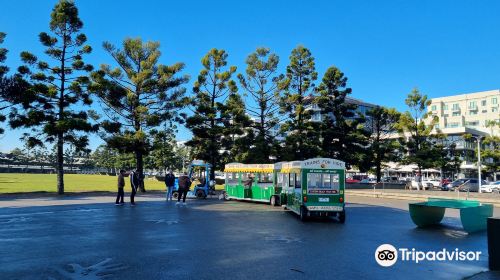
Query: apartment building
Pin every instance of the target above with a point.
(473, 111)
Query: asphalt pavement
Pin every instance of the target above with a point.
(90, 238)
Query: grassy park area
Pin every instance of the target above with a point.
(23, 183)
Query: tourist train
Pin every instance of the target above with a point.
(313, 187)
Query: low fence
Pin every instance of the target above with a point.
(378, 186)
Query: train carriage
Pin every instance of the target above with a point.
(313, 187)
(255, 182)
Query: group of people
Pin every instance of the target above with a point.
(184, 183)
(137, 182)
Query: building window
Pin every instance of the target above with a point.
(474, 123)
(453, 124)
(494, 100)
(434, 108)
(445, 115)
(473, 113)
(483, 103)
(472, 105)
(494, 110)
(436, 126)
(445, 107)
(455, 114)
(455, 107)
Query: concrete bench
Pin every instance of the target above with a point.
(473, 214)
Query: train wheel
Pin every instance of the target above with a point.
(342, 217)
(200, 194)
(303, 214)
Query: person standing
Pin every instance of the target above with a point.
(121, 185)
(134, 183)
(184, 184)
(170, 182)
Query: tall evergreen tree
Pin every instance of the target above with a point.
(260, 82)
(138, 95)
(237, 133)
(59, 89)
(163, 156)
(342, 133)
(298, 87)
(491, 151)
(3, 56)
(415, 127)
(213, 86)
(13, 89)
(382, 145)
(3, 70)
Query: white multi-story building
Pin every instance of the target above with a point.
(472, 110)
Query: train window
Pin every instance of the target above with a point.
(314, 181)
(232, 179)
(285, 180)
(291, 181)
(297, 181)
(335, 181)
(279, 180)
(265, 178)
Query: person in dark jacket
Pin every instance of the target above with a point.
(184, 184)
(121, 185)
(169, 182)
(134, 183)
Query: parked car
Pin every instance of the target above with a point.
(445, 181)
(495, 186)
(472, 185)
(415, 185)
(368, 181)
(432, 183)
(486, 188)
(351, 180)
(392, 179)
(451, 186)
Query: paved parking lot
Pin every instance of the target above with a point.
(90, 238)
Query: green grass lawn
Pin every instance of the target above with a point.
(23, 183)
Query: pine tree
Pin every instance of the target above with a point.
(213, 86)
(415, 127)
(162, 156)
(58, 90)
(342, 133)
(138, 95)
(260, 82)
(298, 87)
(382, 144)
(13, 89)
(237, 133)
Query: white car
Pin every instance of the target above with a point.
(414, 185)
(495, 186)
(432, 183)
(486, 189)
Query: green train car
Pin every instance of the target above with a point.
(313, 187)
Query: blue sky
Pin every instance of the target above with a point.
(384, 47)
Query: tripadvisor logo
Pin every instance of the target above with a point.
(387, 255)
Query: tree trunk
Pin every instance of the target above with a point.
(60, 164)
(140, 168)
(378, 170)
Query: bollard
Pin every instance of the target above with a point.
(494, 243)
